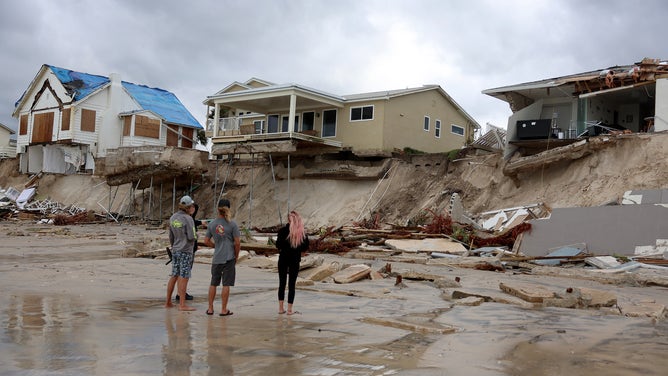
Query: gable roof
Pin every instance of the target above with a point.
(162, 102)
(400, 92)
(11, 131)
(77, 83)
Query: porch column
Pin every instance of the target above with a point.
(216, 113)
(293, 109)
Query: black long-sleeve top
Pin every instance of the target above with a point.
(284, 247)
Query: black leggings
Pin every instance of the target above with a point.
(285, 268)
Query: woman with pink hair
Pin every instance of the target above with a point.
(291, 242)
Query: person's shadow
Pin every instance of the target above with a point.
(177, 354)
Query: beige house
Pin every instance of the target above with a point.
(257, 116)
(7, 144)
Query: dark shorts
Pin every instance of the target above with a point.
(223, 272)
(182, 264)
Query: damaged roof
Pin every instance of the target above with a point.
(78, 85)
(161, 102)
(647, 70)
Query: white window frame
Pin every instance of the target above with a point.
(437, 128)
(361, 108)
(426, 124)
(452, 128)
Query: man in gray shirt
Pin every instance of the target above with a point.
(223, 234)
(182, 238)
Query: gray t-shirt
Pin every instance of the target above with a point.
(222, 233)
(182, 233)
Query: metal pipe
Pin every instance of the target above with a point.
(273, 178)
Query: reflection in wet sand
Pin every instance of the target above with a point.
(219, 350)
(66, 335)
(45, 329)
(177, 353)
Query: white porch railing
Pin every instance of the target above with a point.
(224, 124)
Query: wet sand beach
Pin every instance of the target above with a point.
(73, 306)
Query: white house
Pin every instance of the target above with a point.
(68, 118)
(7, 143)
(632, 98)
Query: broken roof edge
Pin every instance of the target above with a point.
(11, 131)
(563, 80)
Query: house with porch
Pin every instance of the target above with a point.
(7, 142)
(68, 119)
(257, 116)
(560, 111)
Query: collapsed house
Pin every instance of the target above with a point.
(562, 111)
(68, 119)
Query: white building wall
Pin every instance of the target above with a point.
(661, 105)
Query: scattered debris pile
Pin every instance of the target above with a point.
(24, 206)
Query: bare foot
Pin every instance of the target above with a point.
(169, 305)
(187, 308)
(294, 313)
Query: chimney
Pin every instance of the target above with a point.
(115, 91)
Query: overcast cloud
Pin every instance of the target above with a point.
(195, 48)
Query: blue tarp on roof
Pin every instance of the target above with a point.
(163, 103)
(159, 101)
(77, 83)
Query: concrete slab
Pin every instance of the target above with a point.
(530, 293)
(352, 273)
(427, 245)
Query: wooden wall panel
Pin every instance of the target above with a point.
(88, 120)
(172, 135)
(147, 127)
(127, 125)
(23, 128)
(42, 130)
(187, 137)
(65, 121)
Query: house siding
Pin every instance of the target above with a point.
(362, 134)
(404, 123)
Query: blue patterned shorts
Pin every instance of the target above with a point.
(182, 264)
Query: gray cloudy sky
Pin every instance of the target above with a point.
(195, 48)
